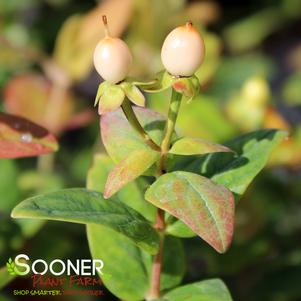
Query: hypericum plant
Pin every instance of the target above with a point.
(155, 186)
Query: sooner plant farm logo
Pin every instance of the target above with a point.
(59, 274)
(11, 267)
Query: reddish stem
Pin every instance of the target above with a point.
(154, 292)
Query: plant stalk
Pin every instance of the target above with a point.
(174, 107)
(154, 292)
(132, 118)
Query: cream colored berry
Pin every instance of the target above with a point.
(112, 58)
(183, 51)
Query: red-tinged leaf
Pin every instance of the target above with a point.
(129, 169)
(120, 139)
(206, 207)
(196, 146)
(22, 138)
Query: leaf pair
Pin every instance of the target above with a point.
(209, 211)
(135, 157)
(110, 97)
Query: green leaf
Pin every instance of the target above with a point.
(111, 99)
(254, 150)
(179, 229)
(129, 169)
(100, 91)
(236, 172)
(119, 138)
(124, 272)
(207, 290)
(132, 194)
(196, 146)
(207, 208)
(133, 94)
(120, 255)
(86, 206)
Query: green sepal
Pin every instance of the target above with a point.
(139, 83)
(111, 99)
(101, 89)
(133, 93)
(162, 82)
(188, 86)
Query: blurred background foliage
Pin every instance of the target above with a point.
(251, 79)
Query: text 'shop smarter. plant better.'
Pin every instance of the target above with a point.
(155, 187)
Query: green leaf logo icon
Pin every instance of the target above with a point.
(11, 267)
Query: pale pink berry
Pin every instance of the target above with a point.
(183, 51)
(112, 58)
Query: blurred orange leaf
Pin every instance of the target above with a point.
(272, 119)
(32, 96)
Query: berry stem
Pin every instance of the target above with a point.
(134, 122)
(174, 107)
(189, 25)
(105, 23)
